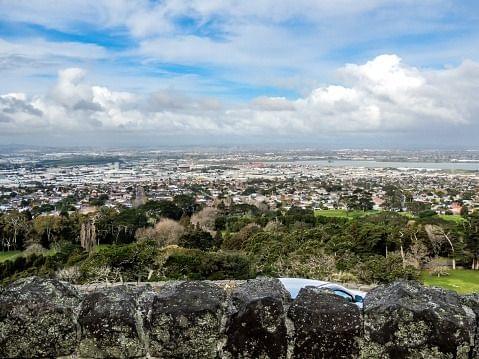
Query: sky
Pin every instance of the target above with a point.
(324, 73)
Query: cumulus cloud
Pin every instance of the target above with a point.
(379, 96)
(15, 103)
(385, 94)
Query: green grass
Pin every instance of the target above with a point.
(4, 256)
(407, 214)
(342, 213)
(11, 255)
(462, 281)
(451, 217)
(100, 247)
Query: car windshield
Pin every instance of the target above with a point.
(344, 295)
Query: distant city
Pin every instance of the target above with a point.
(49, 182)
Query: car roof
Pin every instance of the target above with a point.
(293, 285)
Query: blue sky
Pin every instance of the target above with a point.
(297, 70)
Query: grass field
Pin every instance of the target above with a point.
(460, 280)
(9, 255)
(342, 213)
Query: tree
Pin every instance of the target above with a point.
(472, 239)
(119, 227)
(394, 198)
(417, 255)
(205, 218)
(100, 200)
(298, 214)
(187, 203)
(15, 226)
(197, 238)
(166, 232)
(359, 201)
(417, 207)
(47, 228)
(161, 209)
(438, 236)
(88, 235)
(238, 240)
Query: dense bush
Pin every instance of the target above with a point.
(237, 240)
(379, 247)
(182, 263)
(33, 264)
(133, 261)
(197, 238)
(379, 269)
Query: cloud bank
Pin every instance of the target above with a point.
(380, 96)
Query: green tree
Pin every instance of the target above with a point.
(359, 200)
(472, 239)
(161, 209)
(187, 203)
(197, 238)
(15, 228)
(48, 229)
(394, 199)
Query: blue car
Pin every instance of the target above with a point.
(293, 285)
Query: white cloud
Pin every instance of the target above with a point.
(281, 44)
(42, 54)
(28, 63)
(379, 96)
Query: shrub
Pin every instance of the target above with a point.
(439, 271)
(344, 277)
(70, 274)
(197, 238)
(378, 269)
(182, 263)
(307, 262)
(35, 248)
(238, 240)
(104, 274)
(166, 232)
(205, 219)
(133, 260)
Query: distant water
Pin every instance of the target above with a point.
(451, 166)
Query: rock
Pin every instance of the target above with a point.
(110, 325)
(257, 328)
(260, 288)
(408, 320)
(472, 301)
(325, 325)
(185, 320)
(37, 319)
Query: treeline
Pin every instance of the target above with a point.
(179, 239)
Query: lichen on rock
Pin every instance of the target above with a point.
(110, 324)
(256, 327)
(38, 319)
(185, 320)
(408, 320)
(325, 325)
(252, 319)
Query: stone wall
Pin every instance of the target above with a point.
(243, 319)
